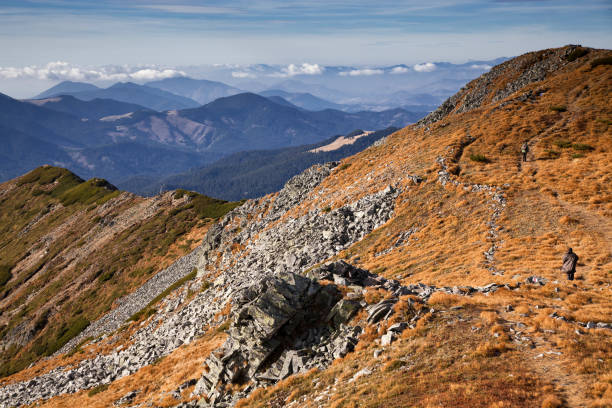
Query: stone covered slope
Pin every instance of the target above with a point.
(425, 268)
(235, 259)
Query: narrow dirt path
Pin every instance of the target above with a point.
(548, 364)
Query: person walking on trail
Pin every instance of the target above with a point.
(524, 150)
(570, 259)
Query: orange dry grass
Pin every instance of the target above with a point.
(155, 381)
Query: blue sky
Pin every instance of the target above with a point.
(39, 38)
(277, 31)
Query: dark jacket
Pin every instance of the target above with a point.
(524, 148)
(570, 260)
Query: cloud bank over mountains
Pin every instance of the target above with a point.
(62, 71)
(341, 84)
(65, 71)
(426, 67)
(360, 72)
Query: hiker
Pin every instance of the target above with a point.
(524, 150)
(570, 259)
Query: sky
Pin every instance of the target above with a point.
(161, 35)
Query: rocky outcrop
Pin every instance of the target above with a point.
(272, 323)
(517, 73)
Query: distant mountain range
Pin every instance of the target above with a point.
(246, 122)
(32, 135)
(256, 173)
(149, 97)
(375, 87)
(67, 88)
(93, 109)
(199, 90)
(305, 100)
(120, 140)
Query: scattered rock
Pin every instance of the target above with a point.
(361, 373)
(536, 280)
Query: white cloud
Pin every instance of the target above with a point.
(61, 71)
(304, 69)
(366, 71)
(426, 67)
(483, 67)
(151, 74)
(242, 74)
(400, 70)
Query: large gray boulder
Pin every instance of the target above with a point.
(278, 313)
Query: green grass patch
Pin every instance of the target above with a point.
(344, 166)
(577, 53)
(222, 328)
(79, 347)
(91, 191)
(479, 158)
(583, 147)
(68, 332)
(326, 209)
(577, 156)
(108, 275)
(563, 144)
(205, 207)
(552, 154)
(48, 174)
(601, 61)
(98, 389)
(5, 274)
(205, 285)
(47, 345)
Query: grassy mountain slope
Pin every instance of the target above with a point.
(69, 248)
(468, 213)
